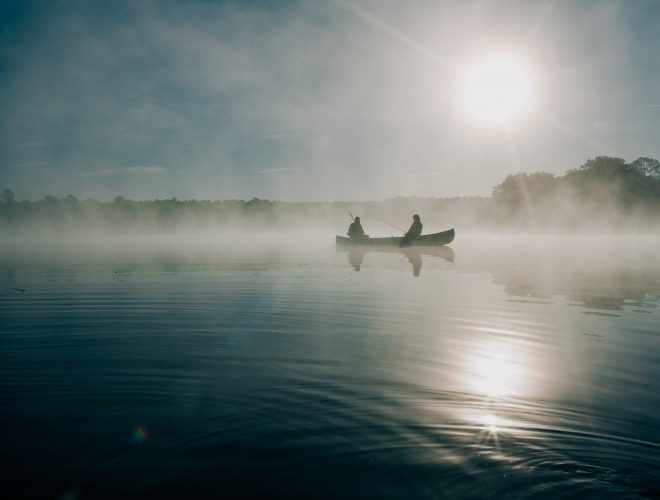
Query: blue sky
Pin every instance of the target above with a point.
(312, 100)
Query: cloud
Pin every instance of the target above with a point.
(31, 164)
(125, 171)
(276, 170)
(424, 174)
(34, 144)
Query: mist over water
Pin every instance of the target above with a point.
(242, 365)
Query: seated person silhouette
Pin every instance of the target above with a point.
(414, 232)
(355, 231)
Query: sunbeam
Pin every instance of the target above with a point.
(381, 25)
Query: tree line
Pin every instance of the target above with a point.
(605, 192)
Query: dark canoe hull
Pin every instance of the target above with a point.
(435, 239)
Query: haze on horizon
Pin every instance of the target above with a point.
(312, 100)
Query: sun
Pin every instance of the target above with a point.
(496, 90)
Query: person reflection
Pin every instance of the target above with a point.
(355, 258)
(415, 258)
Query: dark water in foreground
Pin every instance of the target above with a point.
(509, 368)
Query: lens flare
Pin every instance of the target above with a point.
(139, 435)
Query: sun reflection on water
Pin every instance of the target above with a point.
(497, 373)
(490, 428)
(490, 422)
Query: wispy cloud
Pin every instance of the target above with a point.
(423, 174)
(276, 170)
(34, 144)
(126, 171)
(31, 164)
(279, 135)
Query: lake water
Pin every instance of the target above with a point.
(499, 368)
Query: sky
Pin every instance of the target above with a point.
(313, 100)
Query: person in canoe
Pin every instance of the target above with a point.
(414, 232)
(355, 231)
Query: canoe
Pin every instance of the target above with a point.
(435, 239)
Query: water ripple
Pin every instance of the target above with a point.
(272, 379)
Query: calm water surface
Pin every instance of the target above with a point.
(500, 368)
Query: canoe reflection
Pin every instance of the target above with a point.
(356, 255)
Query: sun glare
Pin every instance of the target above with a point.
(496, 373)
(496, 90)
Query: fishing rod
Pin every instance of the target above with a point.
(389, 223)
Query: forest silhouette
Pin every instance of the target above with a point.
(604, 193)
